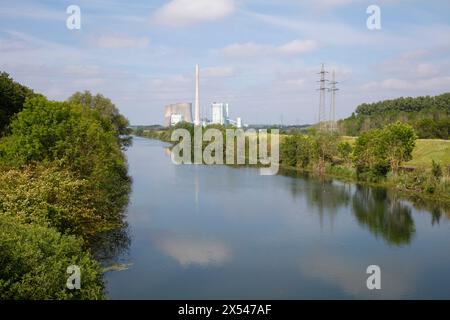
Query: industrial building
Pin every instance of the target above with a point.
(219, 113)
(180, 112)
(176, 113)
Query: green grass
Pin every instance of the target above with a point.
(427, 150)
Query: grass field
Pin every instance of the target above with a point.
(425, 151)
(428, 150)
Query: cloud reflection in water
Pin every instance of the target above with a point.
(191, 250)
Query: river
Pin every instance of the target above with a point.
(216, 232)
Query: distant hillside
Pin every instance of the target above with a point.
(430, 116)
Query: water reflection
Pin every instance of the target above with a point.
(217, 232)
(384, 215)
(108, 246)
(349, 274)
(192, 250)
(381, 212)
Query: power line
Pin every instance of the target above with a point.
(322, 94)
(333, 89)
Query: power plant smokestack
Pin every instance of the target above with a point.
(197, 102)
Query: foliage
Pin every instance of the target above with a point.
(344, 150)
(436, 169)
(295, 151)
(12, 97)
(380, 150)
(63, 185)
(53, 197)
(400, 140)
(73, 138)
(34, 260)
(429, 116)
(108, 112)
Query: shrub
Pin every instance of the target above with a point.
(34, 260)
(52, 197)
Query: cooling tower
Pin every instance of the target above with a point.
(183, 109)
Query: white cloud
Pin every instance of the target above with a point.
(248, 49)
(82, 70)
(349, 275)
(298, 46)
(329, 4)
(409, 86)
(188, 250)
(251, 49)
(178, 13)
(121, 41)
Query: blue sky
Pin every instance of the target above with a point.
(261, 56)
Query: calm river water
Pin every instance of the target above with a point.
(216, 232)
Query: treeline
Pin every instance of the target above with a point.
(63, 182)
(377, 156)
(429, 116)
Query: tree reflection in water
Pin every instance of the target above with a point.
(376, 209)
(109, 246)
(384, 215)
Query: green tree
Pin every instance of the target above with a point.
(296, 151)
(34, 260)
(72, 137)
(369, 155)
(399, 139)
(344, 149)
(109, 111)
(12, 97)
(51, 196)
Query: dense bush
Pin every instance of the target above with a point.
(378, 151)
(296, 151)
(73, 138)
(34, 261)
(63, 184)
(54, 197)
(111, 118)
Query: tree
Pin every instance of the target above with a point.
(51, 196)
(399, 139)
(428, 115)
(12, 97)
(34, 261)
(108, 111)
(378, 151)
(73, 138)
(296, 151)
(369, 155)
(344, 149)
(324, 148)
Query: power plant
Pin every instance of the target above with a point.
(197, 98)
(177, 112)
(219, 113)
(180, 112)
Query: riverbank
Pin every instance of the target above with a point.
(417, 184)
(205, 231)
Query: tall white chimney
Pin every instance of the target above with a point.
(197, 102)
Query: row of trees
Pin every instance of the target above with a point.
(376, 152)
(63, 182)
(429, 116)
(408, 104)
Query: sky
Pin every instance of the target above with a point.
(260, 56)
